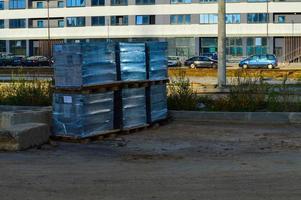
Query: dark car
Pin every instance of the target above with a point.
(201, 61)
(6, 59)
(213, 56)
(17, 60)
(259, 61)
(174, 61)
(37, 61)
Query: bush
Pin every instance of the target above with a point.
(181, 95)
(246, 94)
(26, 93)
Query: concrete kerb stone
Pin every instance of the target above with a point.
(24, 136)
(238, 117)
(11, 118)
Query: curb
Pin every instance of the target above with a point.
(238, 117)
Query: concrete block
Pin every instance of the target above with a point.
(295, 118)
(238, 117)
(269, 117)
(24, 136)
(10, 119)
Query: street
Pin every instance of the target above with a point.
(177, 161)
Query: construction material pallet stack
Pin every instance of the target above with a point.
(116, 101)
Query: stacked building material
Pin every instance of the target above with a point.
(134, 107)
(158, 102)
(84, 64)
(82, 115)
(132, 61)
(107, 87)
(157, 60)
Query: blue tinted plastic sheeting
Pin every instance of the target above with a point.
(83, 64)
(158, 102)
(82, 115)
(134, 107)
(157, 53)
(132, 61)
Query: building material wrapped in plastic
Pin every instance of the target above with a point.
(133, 107)
(158, 102)
(132, 61)
(82, 115)
(157, 60)
(84, 64)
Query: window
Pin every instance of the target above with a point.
(257, 18)
(2, 45)
(40, 24)
(145, 19)
(145, 2)
(16, 4)
(180, 19)
(98, 2)
(258, 0)
(60, 4)
(208, 45)
(232, 18)
(75, 21)
(98, 21)
(40, 4)
(119, 20)
(281, 19)
(17, 47)
(17, 23)
(60, 23)
(256, 46)
(214, 1)
(1, 5)
(208, 1)
(1, 23)
(208, 19)
(180, 1)
(119, 2)
(234, 47)
(75, 3)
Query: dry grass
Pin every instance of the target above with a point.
(276, 73)
(26, 93)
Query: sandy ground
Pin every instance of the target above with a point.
(178, 161)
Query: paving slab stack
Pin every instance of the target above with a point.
(80, 112)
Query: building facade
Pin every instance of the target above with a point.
(29, 27)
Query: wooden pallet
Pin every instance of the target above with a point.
(134, 129)
(113, 86)
(84, 140)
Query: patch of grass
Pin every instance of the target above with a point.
(247, 94)
(181, 95)
(22, 92)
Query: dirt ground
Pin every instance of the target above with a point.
(178, 161)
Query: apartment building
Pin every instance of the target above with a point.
(189, 26)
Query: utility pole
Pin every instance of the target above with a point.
(268, 21)
(221, 44)
(48, 30)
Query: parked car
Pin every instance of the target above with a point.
(200, 61)
(174, 61)
(6, 59)
(37, 61)
(259, 61)
(17, 60)
(210, 55)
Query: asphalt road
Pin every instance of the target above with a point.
(179, 161)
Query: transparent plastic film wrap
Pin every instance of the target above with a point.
(158, 102)
(84, 64)
(157, 53)
(132, 61)
(82, 115)
(134, 107)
